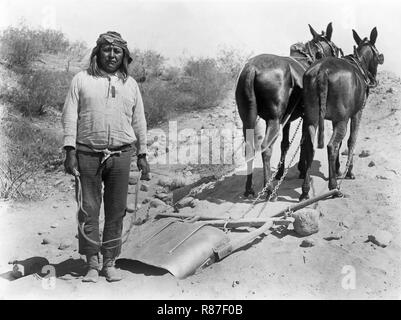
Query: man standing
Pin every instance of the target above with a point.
(103, 120)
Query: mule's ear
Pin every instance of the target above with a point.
(313, 32)
(373, 36)
(329, 31)
(357, 39)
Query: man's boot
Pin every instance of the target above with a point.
(93, 268)
(110, 271)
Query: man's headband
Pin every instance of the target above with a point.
(114, 38)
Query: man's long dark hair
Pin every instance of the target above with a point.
(96, 71)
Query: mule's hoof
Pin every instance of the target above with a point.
(350, 176)
(248, 193)
(304, 196)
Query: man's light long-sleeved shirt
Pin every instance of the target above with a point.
(104, 113)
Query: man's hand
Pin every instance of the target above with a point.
(143, 166)
(71, 163)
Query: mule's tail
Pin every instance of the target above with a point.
(322, 84)
(246, 98)
(247, 107)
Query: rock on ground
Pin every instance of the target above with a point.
(381, 238)
(306, 221)
(307, 243)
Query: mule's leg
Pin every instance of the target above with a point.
(302, 160)
(273, 126)
(308, 136)
(249, 158)
(285, 144)
(338, 171)
(355, 122)
(339, 131)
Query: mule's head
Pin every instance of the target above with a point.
(321, 45)
(367, 52)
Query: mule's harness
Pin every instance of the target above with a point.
(368, 78)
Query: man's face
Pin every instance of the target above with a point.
(110, 57)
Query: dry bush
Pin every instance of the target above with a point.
(29, 150)
(160, 99)
(207, 82)
(37, 90)
(22, 46)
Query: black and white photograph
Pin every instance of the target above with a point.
(171, 150)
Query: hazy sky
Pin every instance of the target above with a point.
(176, 28)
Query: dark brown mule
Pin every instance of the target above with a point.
(336, 89)
(269, 86)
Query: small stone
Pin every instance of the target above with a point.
(381, 177)
(306, 221)
(146, 200)
(130, 209)
(54, 207)
(156, 203)
(381, 238)
(133, 180)
(54, 225)
(364, 154)
(194, 203)
(164, 196)
(371, 164)
(64, 245)
(185, 202)
(58, 183)
(144, 187)
(46, 241)
(332, 237)
(307, 243)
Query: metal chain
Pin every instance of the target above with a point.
(263, 191)
(281, 180)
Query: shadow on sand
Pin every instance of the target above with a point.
(231, 188)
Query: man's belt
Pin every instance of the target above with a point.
(107, 153)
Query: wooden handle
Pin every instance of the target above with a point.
(235, 245)
(307, 202)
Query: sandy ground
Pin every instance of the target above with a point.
(342, 264)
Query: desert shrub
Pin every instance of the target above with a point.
(37, 90)
(206, 81)
(29, 150)
(146, 65)
(20, 46)
(52, 41)
(38, 147)
(231, 60)
(160, 98)
(75, 52)
(171, 73)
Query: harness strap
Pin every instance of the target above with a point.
(358, 64)
(299, 63)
